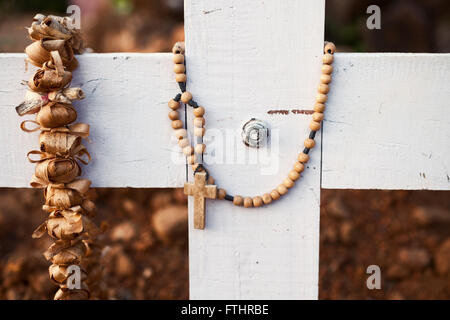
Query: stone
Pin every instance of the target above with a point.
(415, 258)
(431, 215)
(347, 232)
(124, 265)
(397, 272)
(442, 258)
(170, 221)
(124, 231)
(161, 199)
(337, 209)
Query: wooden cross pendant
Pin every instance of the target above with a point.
(200, 190)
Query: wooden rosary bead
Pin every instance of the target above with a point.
(177, 124)
(188, 150)
(174, 115)
(329, 48)
(288, 183)
(180, 133)
(257, 201)
(317, 116)
(303, 157)
(199, 132)
(186, 96)
(179, 68)
(199, 112)
(323, 88)
(221, 193)
(314, 125)
(299, 167)
(180, 77)
(183, 142)
(319, 107)
(238, 201)
(178, 48)
(248, 202)
(282, 190)
(178, 58)
(293, 175)
(325, 78)
(321, 98)
(199, 122)
(327, 69)
(210, 180)
(309, 143)
(191, 159)
(200, 148)
(174, 105)
(274, 194)
(266, 198)
(327, 58)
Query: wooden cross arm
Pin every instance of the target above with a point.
(376, 135)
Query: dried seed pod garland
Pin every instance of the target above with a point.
(55, 41)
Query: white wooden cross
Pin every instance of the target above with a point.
(387, 126)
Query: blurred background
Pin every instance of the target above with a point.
(406, 233)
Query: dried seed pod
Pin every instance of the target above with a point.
(56, 115)
(37, 54)
(59, 143)
(73, 294)
(66, 252)
(32, 103)
(63, 198)
(56, 27)
(65, 224)
(60, 273)
(66, 95)
(62, 46)
(57, 170)
(48, 80)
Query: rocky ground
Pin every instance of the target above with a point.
(406, 233)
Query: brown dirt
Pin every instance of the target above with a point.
(406, 233)
(400, 231)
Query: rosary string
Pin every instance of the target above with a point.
(195, 155)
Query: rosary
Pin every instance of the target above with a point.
(203, 186)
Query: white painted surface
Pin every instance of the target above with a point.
(126, 107)
(387, 123)
(243, 59)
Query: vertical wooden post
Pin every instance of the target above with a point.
(248, 59)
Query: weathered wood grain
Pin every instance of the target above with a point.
(387, 123)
